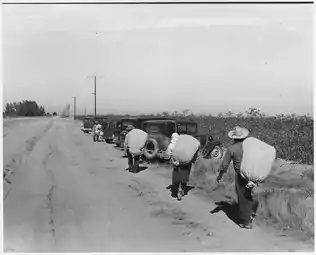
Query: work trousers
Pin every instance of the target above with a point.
(181, 174)
(133, 162)
(247, 203)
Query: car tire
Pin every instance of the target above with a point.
(151, 153)
(217, 152)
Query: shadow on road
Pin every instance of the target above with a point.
(230, 209)
(140, 169)
(173, 190)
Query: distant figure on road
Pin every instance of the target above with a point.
(247, 205)
(134, 143)
(97, 128)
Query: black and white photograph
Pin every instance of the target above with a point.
(157, 126)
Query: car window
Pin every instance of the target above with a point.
(182, 128)
(126, 123)
(170, 128)
(153, 128)
(192, 129)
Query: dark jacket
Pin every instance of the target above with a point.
(234, 153)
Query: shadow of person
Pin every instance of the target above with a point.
(140, 169)
(230, 209)
(174, 189)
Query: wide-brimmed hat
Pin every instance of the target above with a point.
(238, 133)
(129, 127)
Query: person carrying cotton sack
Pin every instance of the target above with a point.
(184, 154)
(134, 144)
(246, 203)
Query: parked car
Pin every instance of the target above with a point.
(159, 137)
(137, 122)
(109, 132)
(88, 123)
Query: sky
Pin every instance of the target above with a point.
(154, 58)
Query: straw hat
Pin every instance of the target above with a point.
(238, 133)
(129, 127)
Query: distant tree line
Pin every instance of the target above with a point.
(24, 108)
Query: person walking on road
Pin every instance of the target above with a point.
(181, 175)
(247, 204)
(134, 142)
(97, 128)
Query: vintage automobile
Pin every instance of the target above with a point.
(137, 122)
(160, 132)
(109, 131)
(87, 124)
(120, 130)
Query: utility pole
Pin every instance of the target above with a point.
(95, 91)
(85, 111)
(74, 107)
(95, 96)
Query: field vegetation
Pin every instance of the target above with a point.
(291, 135)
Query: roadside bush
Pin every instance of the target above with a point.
(24, 108)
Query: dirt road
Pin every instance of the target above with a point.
(71, 195)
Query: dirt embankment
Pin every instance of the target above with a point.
(286, 197)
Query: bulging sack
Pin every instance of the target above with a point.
(258, 158)
(185, 149)
(136, 140)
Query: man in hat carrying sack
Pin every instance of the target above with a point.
(247, 205)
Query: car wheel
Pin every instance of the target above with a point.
(151, 149)
(217, 152)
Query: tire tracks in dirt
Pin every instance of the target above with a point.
(171, 212)
(50, 193)
(9, 169)
(33, 190)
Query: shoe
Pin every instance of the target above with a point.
(180, 193)
(245, 225)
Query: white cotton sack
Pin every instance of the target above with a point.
(258, 158)
(185, 149)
